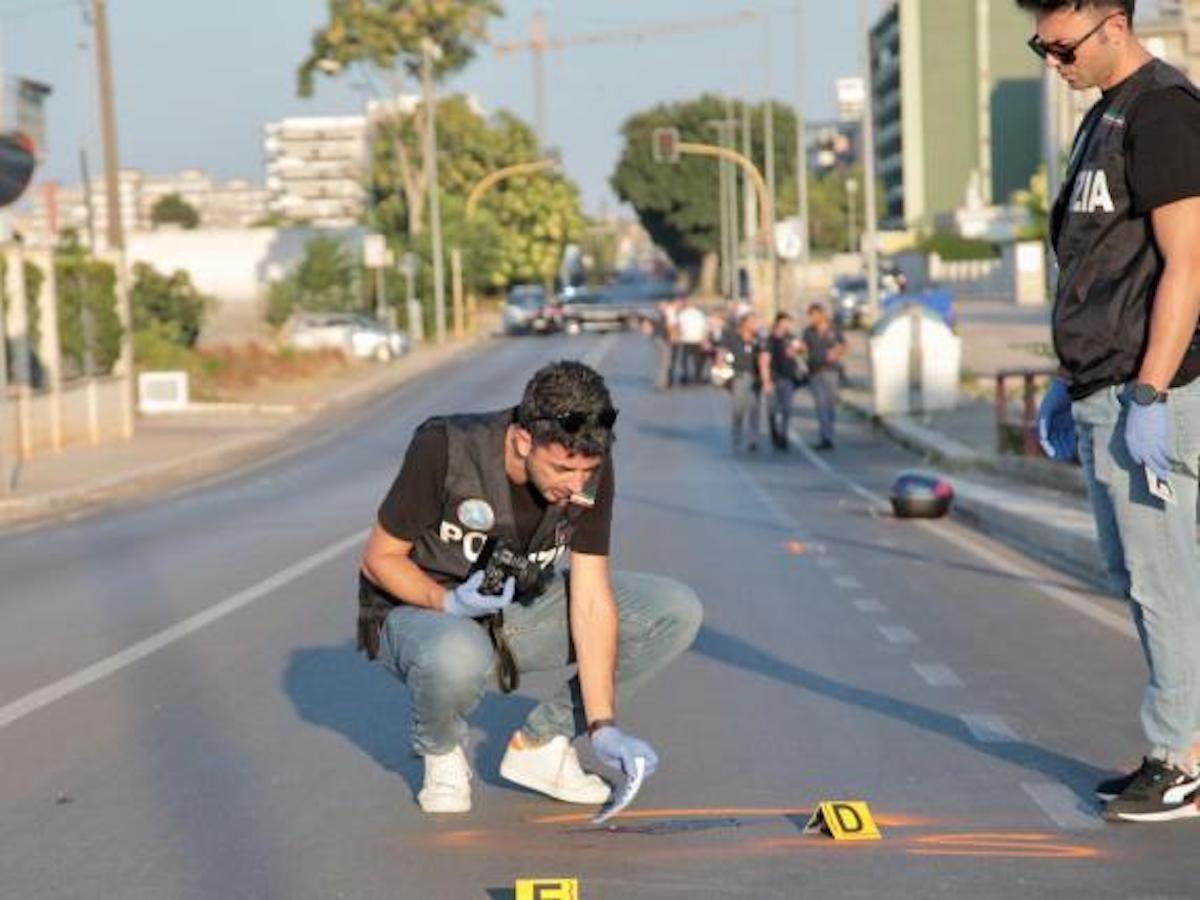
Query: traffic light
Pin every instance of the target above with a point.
(16, 166)
(665, 145)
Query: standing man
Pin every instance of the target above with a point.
(785, 375)
(535, 482)
(1126, 230)
(751, 377)
(660, 328)
(825, 347)
(693, 334)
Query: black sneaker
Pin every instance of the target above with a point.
(1115, 787)
(1157, 792)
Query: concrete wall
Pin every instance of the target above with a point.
(234, 265)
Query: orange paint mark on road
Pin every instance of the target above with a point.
(797, 548)
(1012, 845)
(892, 821)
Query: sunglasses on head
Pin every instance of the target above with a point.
(574, 422)
(1065, 53)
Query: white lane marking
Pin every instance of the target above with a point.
(847, 583)
(826, 562)
(955, 534)
(1063, 806)
(938, 675)
(989, 729)
(598, 353)
(870, 607)
(898, 634)
(52, 693)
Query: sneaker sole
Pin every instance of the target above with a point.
(550, 790)
(1187, 811)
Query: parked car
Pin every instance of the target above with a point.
(622, 304)
(848, 297)
(527, 312)
(356, 335)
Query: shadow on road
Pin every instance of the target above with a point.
(335, 688)
(735, 651)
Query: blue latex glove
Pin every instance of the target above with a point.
(1056, 428)
(618, 750)
(1148, 437)
(466, 602)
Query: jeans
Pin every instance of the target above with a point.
(781, 409)
(745, 406)
(1150, 553)
(824, 386)
(663, 376)
(447, 662)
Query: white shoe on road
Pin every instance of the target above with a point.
(447, 786)
(553, 769)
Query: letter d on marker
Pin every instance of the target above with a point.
(547, 889)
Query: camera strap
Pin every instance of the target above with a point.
(507, 675)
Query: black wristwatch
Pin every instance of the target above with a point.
(1147, 394)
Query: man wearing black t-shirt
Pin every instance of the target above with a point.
(1126, 231)
(536, 481)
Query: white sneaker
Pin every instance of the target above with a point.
(447, 783)
(552, 769)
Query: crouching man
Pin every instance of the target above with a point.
(536, 482)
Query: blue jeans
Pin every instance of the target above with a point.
(746, 408)
(824, 386)
(447, 662)
(1150, 552)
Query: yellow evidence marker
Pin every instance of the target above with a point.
(547, 889)
(844, 820)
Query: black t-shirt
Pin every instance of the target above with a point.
(1162, 146)
(413, 505)
(820, 346)
(745, 353)
(783, 359)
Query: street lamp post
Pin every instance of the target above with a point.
(868, 131)
(430, 52)
(851, 213)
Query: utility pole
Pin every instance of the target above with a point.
(537, 46)
(868, 130)
(116, 231)
(723, 207)
(769, 147)
(983, 52)
(429, 52)
(729, 136)
(801, 142)
(749, 200)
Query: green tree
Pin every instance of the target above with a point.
(829, 203)
(87, 297)
(678, 204)
(169, 305)
(172, 209)
(323, 281)
(34, 277)
(388, 35)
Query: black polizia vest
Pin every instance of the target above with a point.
(477, 505)
(1109, 264)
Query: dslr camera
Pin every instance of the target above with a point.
(501, 562)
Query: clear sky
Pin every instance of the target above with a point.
(196, 79)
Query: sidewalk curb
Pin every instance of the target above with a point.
(1059, 535)
(224, 459)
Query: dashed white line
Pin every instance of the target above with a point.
(898, 634)
(846, 583)
(938, 675)
(870, 607)
(989, 729)
(828, 562)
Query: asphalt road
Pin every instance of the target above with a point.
(182, 714)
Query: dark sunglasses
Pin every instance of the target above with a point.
(1065, 53)
(574, 422)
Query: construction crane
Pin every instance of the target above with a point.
(538, 44)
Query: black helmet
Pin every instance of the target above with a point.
(921, 495)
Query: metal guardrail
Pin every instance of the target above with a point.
(1027, 426)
